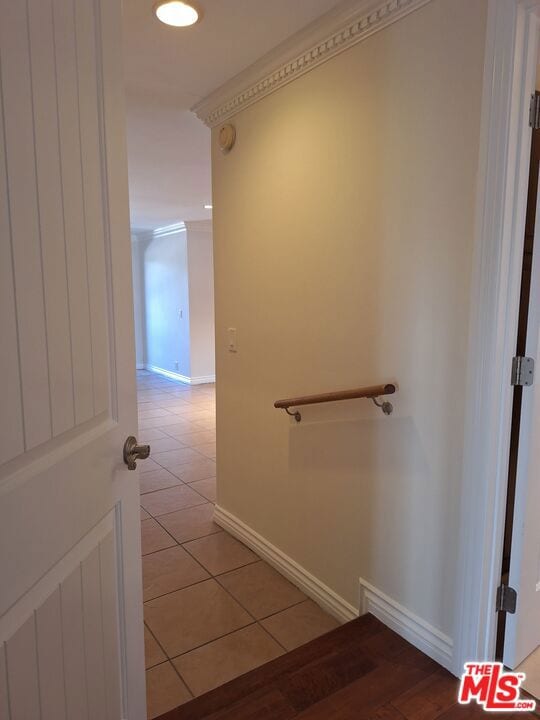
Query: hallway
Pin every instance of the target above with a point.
(213, 609)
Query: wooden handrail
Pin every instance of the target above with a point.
(373, 391)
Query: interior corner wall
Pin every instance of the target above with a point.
(166, 296)
(343, 225)
(201, 301)
(137, 267)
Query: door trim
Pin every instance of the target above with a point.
(512, 43)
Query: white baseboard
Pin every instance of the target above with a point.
(202, 380)
(168, 374)
(299, 576)
(414, 629)
(140, 366)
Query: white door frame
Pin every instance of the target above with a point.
(512, 42)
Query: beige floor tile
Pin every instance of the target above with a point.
(171, 499)
(531, 667)
(190, 524)
(144, 515)
(166, 443)
(142, 406)
(153, 654)
(206, 488)
(171, 458)
(299, 624)
(190, 472)
(157, 480)
(157, 395)
(174, 405)
(160, 422)
(201, 437)
(205, 425)
(148, 465)
(261, 590)
(220, 553)
(154, 537)
(178, 428)
(218, 662)
(164, 690)
(194, 616)
(146, 436)
(152, 413)
(169, 570)
(208, 449)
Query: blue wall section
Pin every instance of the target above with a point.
(166, 293)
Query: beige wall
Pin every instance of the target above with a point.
(201, 300)
(137, 269)
(343, 224)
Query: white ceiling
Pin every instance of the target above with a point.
(167, 71)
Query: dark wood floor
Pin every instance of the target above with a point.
(361, 671)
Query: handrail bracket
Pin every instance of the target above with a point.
(296, 415)
(385, 406)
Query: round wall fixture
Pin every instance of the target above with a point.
(226, 137)
(176, 13)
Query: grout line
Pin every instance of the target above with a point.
(281, 645)
(275, 638)
(147, 627)
(300, 602)
(186, 587)
(154, 552)
(192, 539)
(177, 671)
(209, 642)
(214, 577)
(167, 487)
(203, 502)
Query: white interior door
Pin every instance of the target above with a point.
(522, 634)
(71, 634)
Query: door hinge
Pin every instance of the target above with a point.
(534, 112)
(506, 599)
(522, 371)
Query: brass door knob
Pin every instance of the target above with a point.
(134, 452)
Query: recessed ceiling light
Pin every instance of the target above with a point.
(208, 207)
(176, 13)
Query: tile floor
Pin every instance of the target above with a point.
(213, 610)
(531, 667)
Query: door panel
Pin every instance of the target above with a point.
(49, 186)
(62, 661)
(71, 635)
(23, 214)
(50, 659)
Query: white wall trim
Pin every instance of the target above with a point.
(169, 230)
(168, 374)
(413, 628)
(299, 576)
(509, 80)
(201, 380)
(336, 31)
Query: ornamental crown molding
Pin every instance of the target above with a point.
(346, 25)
